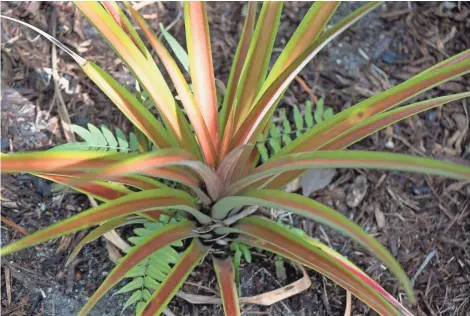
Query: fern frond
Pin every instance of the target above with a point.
(103, 139)
(282, 134)
(147, 276)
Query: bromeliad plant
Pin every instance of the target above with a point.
(212, 153)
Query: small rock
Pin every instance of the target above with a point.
(449, 5)
(316, 179)
(357, 191)
(380, 218)
(389, 144)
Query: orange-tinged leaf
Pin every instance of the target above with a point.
(358, 272)
(187, 99)
(380, 121)
(201, 67)
(167, 289)
(320, 134)
(142, 118)
(153, 242)
(152, 162)
(257, 62)
(266, 101)
(101, 190)
(307, 207)
(228, 164)
(262, 233)
(225, 274)
(306, 33)
(118, 15)
(238, 63)
(56, 161)
(136, 202)
(100, 231)
(144, 68)
(347, 159)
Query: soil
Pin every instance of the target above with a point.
(423, 220)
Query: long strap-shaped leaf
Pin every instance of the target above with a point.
(319, 212)
(167, 289)
(358, 272)
(135, 111)
(159, 159)
(201, 67)
(320, 134)
(154, 241)
(351, 159)
(238, 63)
(129, 204)
(121, 19)
(101, 230)
(225, 273)
(259, 55)
(144, 68)
(103, 191)
(120, 96)
(74, 163)
(368, 127)
(265, 103)
(262, 233)
(254, 70)
(381, 121)
(187, 99)
(309, 29)
(55, 161)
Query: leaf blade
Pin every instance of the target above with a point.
(132, 203)
(186, 263)
(225, 274)
(155, 241)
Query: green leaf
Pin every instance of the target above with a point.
(131, 286)
(134, 142)
(309, 113)
(177, 49)
(98, 137)
(111, 140)
(133, 299)
(275, 139)
(246, 252)
(85, 134)
(150, 283)
(298, 120)
(328, 113)
(122, 140)
(319, 111)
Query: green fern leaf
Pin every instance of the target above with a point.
(134, 298)
(150, 283)
(298, 120)
(131, 286)
(122, 141)
(134, 144)
(85, 134)
(328, 113)
(319, 111)
(246, 252)
(309, 114)
(110, 139)
(275, 140)
(99, 138)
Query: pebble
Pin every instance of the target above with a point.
(357, 191)
(389, 144)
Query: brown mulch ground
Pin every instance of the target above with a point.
(423, 220)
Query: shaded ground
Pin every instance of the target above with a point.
(416, 217)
